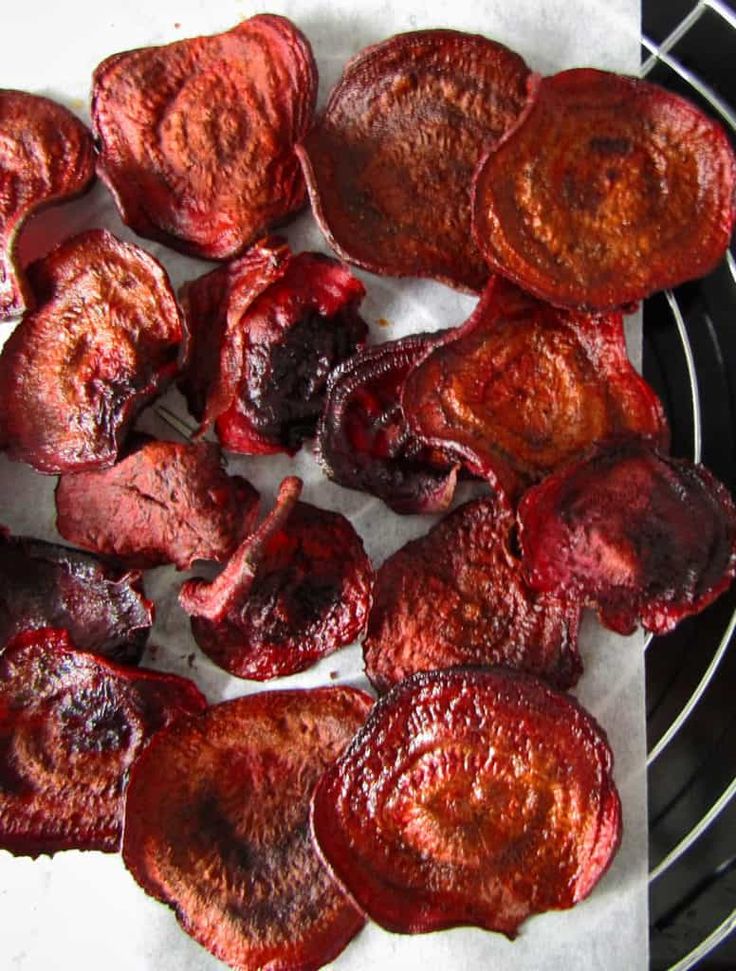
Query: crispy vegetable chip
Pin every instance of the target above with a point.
(102, 342)
(71, 725)
(297, 589)
(457, 596)
(521, 388)
(217, 827)
(197, 137)
(634, 533)
(608, 189)
(390, 164)
(46, 156)
(470, 797)
(164, 502)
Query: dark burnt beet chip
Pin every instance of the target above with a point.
(163, 502)
(45, 585)
(46, 156)
(457, 596)
(102, 342)
(390, 163)
(296, 590)
(521, 388)
(217, 827)
(71, 725)
(608, 189)
(469, 797)
(634, 533)
(197, 137)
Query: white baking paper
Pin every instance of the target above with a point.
(84, 911)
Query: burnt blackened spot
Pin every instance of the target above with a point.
(611, 147)
(287, 601)
(93, 722)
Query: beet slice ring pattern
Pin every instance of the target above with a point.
(634, 533)
(469, 797)
(389, 165)
(296, 590)
(102, 342)
(46, 156)
(521, 388)
(197, 137)
(608, 189)
(164, 502)
(216, 826)
(71, 725)
(457, 596)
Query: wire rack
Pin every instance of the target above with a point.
(690, 47)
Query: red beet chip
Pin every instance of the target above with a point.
(296, 590)
(102, 342)
(101, 606)
(470, 797)
(267, 331)
(634, 533)
(608, 189)
(71, 725)
(457, 596)
(390, 164)
(217, 827)
(163, 502)
(521, 388)
(197, 137)
(46, 156)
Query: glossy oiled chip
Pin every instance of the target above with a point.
(521, 387)
(608, 189)
(162, 503)
(390, 163)
(217, 827)
(363, 441)
(71, 725)
(46, 156)
(469, 797)
(197, 137)
(102, 341)
(634, 533)
(457, 596)
(297, 589)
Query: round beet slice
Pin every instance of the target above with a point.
(102, 342)
(634, 533)
(522, 387)
(608, 189)
(46, 156)
(470, 797)
(457, 596)
(390, 163)
(217, 827)
(296, 590)
(197, 137)
(71, 725)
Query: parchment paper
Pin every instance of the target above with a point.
(84, 910)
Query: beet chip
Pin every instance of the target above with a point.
(470, 797)
(102, 342)
(608, 189)
(46, 156)
(297, 589)
(45, 585)
(634, 533)
(162, 503)
(457, 596)
(521, 388)
(267, 331)
(363, 440)
(197, 137)
(217, 827)
(390, 164)
(71, 725)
